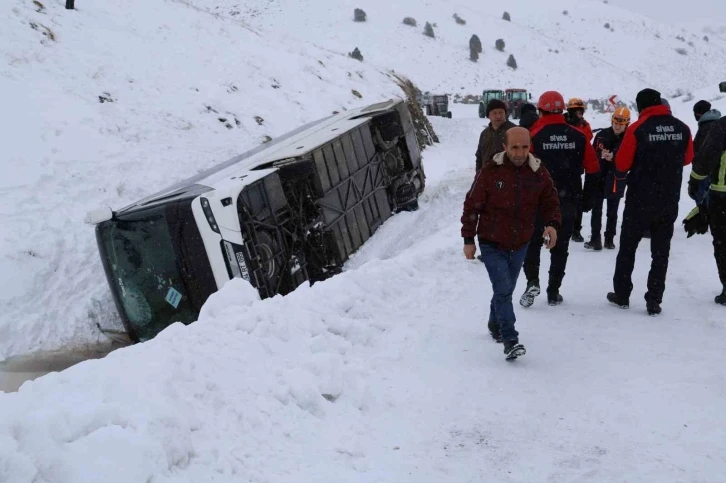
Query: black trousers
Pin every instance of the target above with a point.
(558, 255)
(637, 218)
(717, 222)
(578, 217)
(612, 216)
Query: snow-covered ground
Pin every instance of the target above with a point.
(386, 373)
(193, 83)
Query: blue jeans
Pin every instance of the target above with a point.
(503, 267)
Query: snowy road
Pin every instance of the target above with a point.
(386, 373)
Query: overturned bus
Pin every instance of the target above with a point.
(289, 211)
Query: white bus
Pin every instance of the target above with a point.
(289, 211)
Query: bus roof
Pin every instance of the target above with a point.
(298, 142)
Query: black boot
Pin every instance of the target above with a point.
(577, 237)
(594, 244)
(653, 308)
(609, 243)
(621, 302)
(554, 298)
(721, 298)
(513, 349)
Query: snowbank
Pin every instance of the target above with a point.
(124, 100)
(385, 373)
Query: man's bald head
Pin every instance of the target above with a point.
(516, 144)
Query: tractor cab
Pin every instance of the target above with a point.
(487, 96)
(515, 99)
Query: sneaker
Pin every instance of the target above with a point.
(594, 244)
(577, 237)
(609, 243)
(554, 298)
(721, 298)
(529, 294)
(494, 332)
(621, 302)
(653, 308)
(513, 349)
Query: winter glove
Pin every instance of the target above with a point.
(696, 222)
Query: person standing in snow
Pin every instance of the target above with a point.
(576, 117)
(565, 152)
(706, 117)
(654, 151)
(491, 140)
(605, 185)
(528, 115)
(500, 209)
(711, 160)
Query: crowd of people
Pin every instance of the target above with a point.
(528, 192)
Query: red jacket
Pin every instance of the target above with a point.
(654, 151)
(565, 153)
(504, 200)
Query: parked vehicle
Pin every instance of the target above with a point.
(438, 105)
(286, 212)
(487, 96)
(516, 98)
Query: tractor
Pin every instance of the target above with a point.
(515, 99)
(438, 105)
(487, 96)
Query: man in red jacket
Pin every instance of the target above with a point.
(566, 153)
(500, 209)
(653, 153)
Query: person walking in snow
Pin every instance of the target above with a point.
(654, 151)
(711, 160)
(491, 140)
(706, 117)
(605, 185)
(500, 209)
(528, 115)
(565, 152)
(575, 116)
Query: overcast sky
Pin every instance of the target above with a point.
(674, 11)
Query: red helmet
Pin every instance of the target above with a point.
(551, 101)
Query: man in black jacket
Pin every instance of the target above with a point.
(565, 152)
(653, 152)
(491, 139)
(528, 116)
(711, 159)
(605, 185)
(706, 117)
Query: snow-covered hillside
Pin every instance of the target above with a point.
(561, 44)
(109, 102)
(385, 373)
(186, 89)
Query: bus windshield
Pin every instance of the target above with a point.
(145, 272)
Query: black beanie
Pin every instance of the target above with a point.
(701, 107)
(647, 98)
(495, 104)
(528, 108)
